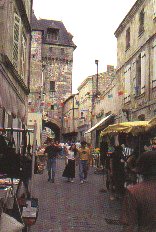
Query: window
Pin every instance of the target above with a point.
(50, 49)
(52, 34)
(52, 107)
(52, 86)
(82, 115)
(141, 21)
(62, 51)
(141, 117)
(16, 33)
(127, 38)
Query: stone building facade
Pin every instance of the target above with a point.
(97, 102)
(51, 70)
(106, 108)
(136, 66)
(15, 39)
(85, 106)
(70, 115)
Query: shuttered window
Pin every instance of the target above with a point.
(141, 21)
(23, 56)
(52, 86)
(16, 35)
(127, 83)
(127, 38)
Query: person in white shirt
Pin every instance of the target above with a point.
(69, 170)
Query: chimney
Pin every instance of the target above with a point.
(110, 68)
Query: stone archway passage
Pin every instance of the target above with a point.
(54, 127)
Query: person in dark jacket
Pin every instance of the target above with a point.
(117, 171)
(103, 152)
(139, 207)
(52, 152)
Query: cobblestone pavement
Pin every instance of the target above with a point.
(73, 207)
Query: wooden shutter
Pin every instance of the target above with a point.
(154, 64)
(154, 8)
(16, 34)
(127, 83)
(133, 76)
(23, 56)
(143, 71)
(138, 75)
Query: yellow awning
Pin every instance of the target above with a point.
(126, 127)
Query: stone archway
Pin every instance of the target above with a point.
(54, 127)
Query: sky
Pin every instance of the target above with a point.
(92, 24)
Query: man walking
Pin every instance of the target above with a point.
(84, 160)
(52, 152)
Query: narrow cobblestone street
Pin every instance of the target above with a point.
(73, 207)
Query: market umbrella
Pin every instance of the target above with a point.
(134, 128)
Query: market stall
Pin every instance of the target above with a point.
(140, 136)
(16, 171)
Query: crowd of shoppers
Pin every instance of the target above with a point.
(139, 205)
(74, 153)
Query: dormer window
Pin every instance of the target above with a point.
(52, 34)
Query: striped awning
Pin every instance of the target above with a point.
(99, 124)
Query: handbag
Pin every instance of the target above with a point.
(9, 224)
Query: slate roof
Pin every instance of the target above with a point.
(65, 38)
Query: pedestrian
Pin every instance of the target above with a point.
(117, 172)
(84, 161)
(139, 207)
(69, 170)
(103, 152)
(52, 152)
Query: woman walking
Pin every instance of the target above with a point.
(69, 170)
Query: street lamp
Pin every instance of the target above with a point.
(97, 77)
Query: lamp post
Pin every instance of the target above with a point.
(97, 76)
